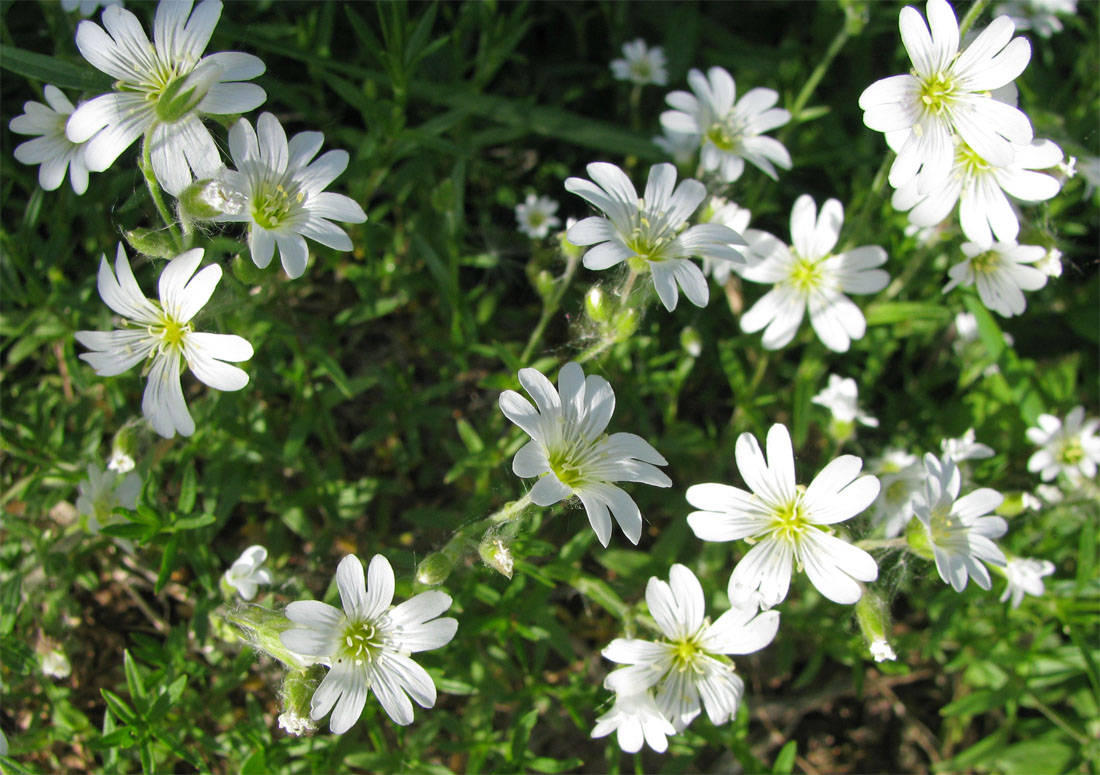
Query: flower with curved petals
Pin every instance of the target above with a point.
(731, 131)
(960, 534)
(571, 454)
(807, 275)
(651, 233)
(946, 93)
(245, 574)
(52, 149)
(1001, 272)
(281, 195)
(367, 644)
(1024, 575)
(164, 333)
(788, 523)
(162, 88)
(1071, 448)
(687, 668)
(636, 719)
(840, 397)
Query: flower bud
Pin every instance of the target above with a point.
(595, 304)
(496, 554)
(435, 568)
(123, 449)
(572, 252)
(246, 272)
(916, 536)
(260, 627)
(691, 342)
(873, 621)
(544, 283)
(625, 324)
(298, 689)
(205, 200)
(150, 242)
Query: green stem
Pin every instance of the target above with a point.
(1057, 720)
(550, 307)
(624, 292)
(882, 543)
(819, 72)
(972, 16)
(155, 192)
(597, 349)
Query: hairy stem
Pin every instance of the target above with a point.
(155, 190)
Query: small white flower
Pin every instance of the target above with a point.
(571, 454)
(1024, 575)
(163, 87)
(840, 398)
(1071, 448)
(535, 216)
(966, 327)
(1029, 501)
(966, 447)
(55, 664)
(687, 667)
(120, 462)
(295, 725)
(641, 65)
(104, 491)
(367, 644)
(281, 195)
(1002, 274)
(807, 275)
(163, 332)
(787, 523)
(730, 215)
(960, 534)
(980, 190)
(1038, 15)
(53, 150)
(87, 7)
(649, 233)
(731, 131)
(948, 92)
(882, 651)
(1050, 493)
(901, 476)
(245, 574)
(635, 718)
(1051, 263)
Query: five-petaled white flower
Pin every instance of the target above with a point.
(162, 88)
(535, 216)
(52, 149)
(245, 574)
(966, 447)
(980, 187)
(367, 644)
(787, 523)
(641, 65)
(960, 534)
(649, 233)
(840, 397)
(901, 476)
(1024, 575)
(164, 332)
(572, 455)
(687, 667)
(1071, 448)
(281, 194)
(1002, 273)
(948, 93)
(731, 131)
(102, 492)
(807, 275)
(635, 718)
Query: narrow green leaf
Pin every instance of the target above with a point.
(188, 490)
(123, 737)
(133, 678)
(980, 701)
(58, 72)
(521, 736)
(119, 707)
(784, 762)
(194, 523)
(167, 562)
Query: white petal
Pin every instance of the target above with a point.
(162, 403)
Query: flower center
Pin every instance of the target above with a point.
(1071, 452)
(566, 468)
(361, 642)
(789, 521)
(807, 275)
(171, 333)
(177, 90)
(937, 93)
(969, 162)
(726, 135)
(641, 69)
(897, 491)
(985, 263)
(535, 218)
(687, 654)
(649, 239)
(942, 525)
(273, 203)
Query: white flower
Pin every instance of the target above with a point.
(840, 397)
(980, 187)
(730, 215)
(367, 645)
(281, 195)
(53, 150)
(162, 87)
(966, 327)
(957, 529)
(1025, 576)
(1049, 493)
(163, 332)
(87, 7)
(686, 667)
(731, 131)
(1038, 15)
(637, 719)
(295, 725)
(966, 447)
(788, 523)
(55, 664)
(572, 455)
(1051, 263)
(1001, 273)
(948, 92)
(104, 491)
(1071, 448)
(120, 462)
(808, 275)
(245, 574)
(641, 65)
(535, 216)
(882, 651)
(901, 476)
(649, 233)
